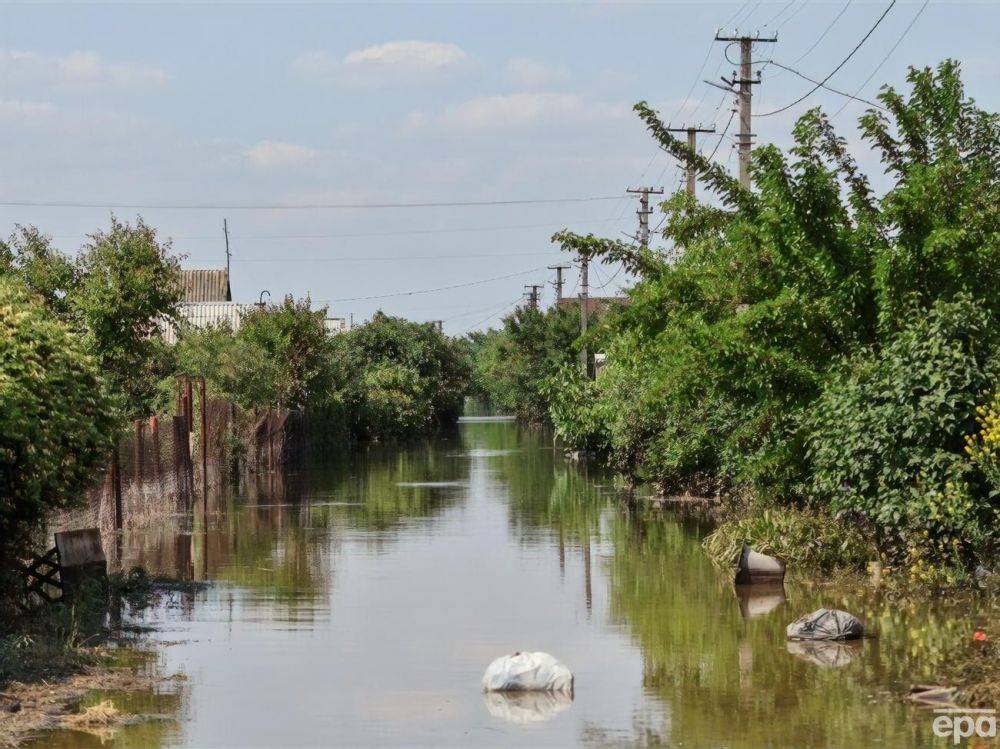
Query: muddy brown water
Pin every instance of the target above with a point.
(358, 603)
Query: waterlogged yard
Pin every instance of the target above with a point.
(358, 604)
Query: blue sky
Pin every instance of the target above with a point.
(239, 103)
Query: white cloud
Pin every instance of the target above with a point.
(419, 56)
(518, 111)
(79, 70)
(526, 73)
(382, 63)
(276, 154)
(19, 111)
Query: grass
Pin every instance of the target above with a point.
(803, 538)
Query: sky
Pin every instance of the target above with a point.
(200, 112)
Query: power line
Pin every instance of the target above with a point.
(694, 83)
(792, 15)
(431, 291)
(825, 32)
(357, 235)
(492, 315)
(780, 13)
(725, 130)
(823, 85)
(884, 59)
(395, 258)
(297, 206)
(479, 310)
(613, 277)
(834, 71)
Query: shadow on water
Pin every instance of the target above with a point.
(357, 602)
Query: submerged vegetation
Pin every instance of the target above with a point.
(826, 345)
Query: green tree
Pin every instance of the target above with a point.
(232, 366)
(57, 422)
(297, 349)
(513, 366)
(397, 377)
(128, 284)
(29, 255)
(717, 365)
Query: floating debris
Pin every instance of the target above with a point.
(754, 567)
(527, 672)
(826, 624)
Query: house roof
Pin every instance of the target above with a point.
(206, 285)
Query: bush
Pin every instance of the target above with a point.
(294, 351)
(394, 377)
(57, 424)
(887, 437)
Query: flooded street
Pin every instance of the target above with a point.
(359, 603)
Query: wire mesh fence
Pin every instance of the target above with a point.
(165, 463)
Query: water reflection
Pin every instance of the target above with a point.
(760, 599)
(358, 603)
(526, 707)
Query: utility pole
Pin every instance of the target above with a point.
(559, 280)
(533, 295)
(229, 288)
(644, 210)
(584, 294)
(746, 82)
(692, 135)
(225, 231)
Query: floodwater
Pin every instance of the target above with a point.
(358, 603)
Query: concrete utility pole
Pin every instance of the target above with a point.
(533, 294)
(644, 210)
(559, 280)
(584, 294)
(692, 134)
(746, 82)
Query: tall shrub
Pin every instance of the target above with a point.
(57, 422)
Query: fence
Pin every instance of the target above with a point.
(163, 465)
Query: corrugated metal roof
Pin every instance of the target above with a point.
(206, 285)
(204, 314)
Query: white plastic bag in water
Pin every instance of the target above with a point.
(522, 672)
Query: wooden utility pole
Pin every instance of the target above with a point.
(225, 232)
(644, 210)
(533, 295)
(204, 445)
(692, 142)
(559, 280)
(584, 294)
(746, 82)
